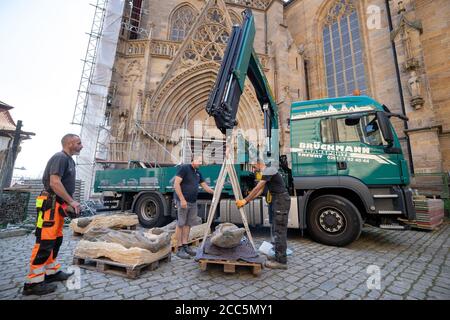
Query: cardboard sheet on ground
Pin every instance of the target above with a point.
(244, 252)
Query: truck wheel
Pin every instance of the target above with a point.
(333, 220)
(150, 211)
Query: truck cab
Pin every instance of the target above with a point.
(347, 167)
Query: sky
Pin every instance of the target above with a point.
(42, 44)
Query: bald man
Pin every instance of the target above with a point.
(52, 207)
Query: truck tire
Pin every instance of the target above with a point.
(150, 211)
(333, 220)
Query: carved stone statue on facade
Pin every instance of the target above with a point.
(414, 87)
(406, 40)
(120, 148)
(121, 127)
(407, 29)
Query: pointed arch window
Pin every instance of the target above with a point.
(235, 19)
(343, 55)
(180, 22)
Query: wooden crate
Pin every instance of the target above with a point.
(230, 266)
(115, 268)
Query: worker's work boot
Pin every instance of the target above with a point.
(271, 258)
(181, 253)
(189, 251)
(275, 265)
(38, 289)
(59, 276)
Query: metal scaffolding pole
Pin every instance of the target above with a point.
(89, 63)
(95, 81)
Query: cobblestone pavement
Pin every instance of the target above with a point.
(413, 264)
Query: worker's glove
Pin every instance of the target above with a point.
(241, 203)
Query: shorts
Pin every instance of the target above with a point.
(187, 216)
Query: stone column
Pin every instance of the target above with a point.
(423, 129)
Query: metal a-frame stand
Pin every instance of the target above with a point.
(227, 169)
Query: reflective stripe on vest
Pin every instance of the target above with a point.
(40, 220)
(36, 279)
(38, 271)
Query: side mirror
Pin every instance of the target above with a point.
(352, 120)
(385, 128)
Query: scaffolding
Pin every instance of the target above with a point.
(94, 85)
(89, 63)
(113, 20)
(134, 14)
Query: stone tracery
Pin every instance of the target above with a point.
(184, 90)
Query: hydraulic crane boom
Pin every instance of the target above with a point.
(240, 61)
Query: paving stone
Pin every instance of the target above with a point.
(327, 286)
(414, 265)
(318, 292)
(337, 293)
(416, 294)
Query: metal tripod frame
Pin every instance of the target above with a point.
(227, 169)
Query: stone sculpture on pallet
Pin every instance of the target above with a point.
(122, 220)
(227, 235)
(124, 246)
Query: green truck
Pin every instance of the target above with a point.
(345, 167)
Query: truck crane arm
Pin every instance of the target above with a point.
(240, 61)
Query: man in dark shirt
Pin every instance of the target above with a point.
(52, 206)
(281, 203)
(187, 181)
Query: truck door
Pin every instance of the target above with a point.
(360, 151)
(312, 147)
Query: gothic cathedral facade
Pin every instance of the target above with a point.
(167, 59)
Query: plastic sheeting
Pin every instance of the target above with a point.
(91, 134)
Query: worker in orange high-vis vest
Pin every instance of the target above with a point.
(53, 205)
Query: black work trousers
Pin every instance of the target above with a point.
(281, 204)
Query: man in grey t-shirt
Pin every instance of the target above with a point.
(52, 207)
(281, 203)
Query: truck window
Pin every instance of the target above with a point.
(307, 130)
(366, 131)
(326, 131)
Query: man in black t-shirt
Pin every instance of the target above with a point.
(281, 203)
(52, 206)
(187, 181)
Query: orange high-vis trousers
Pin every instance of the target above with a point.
(49, 237)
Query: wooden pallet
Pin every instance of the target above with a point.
(230, 266)
(193, 242)
(115, 268)
(422, 225)
(77, 234)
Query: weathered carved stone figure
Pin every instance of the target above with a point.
(406, 40)
(152, 240)
(415, 89)
(414, 85)
(227, 235)
(121, 128)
